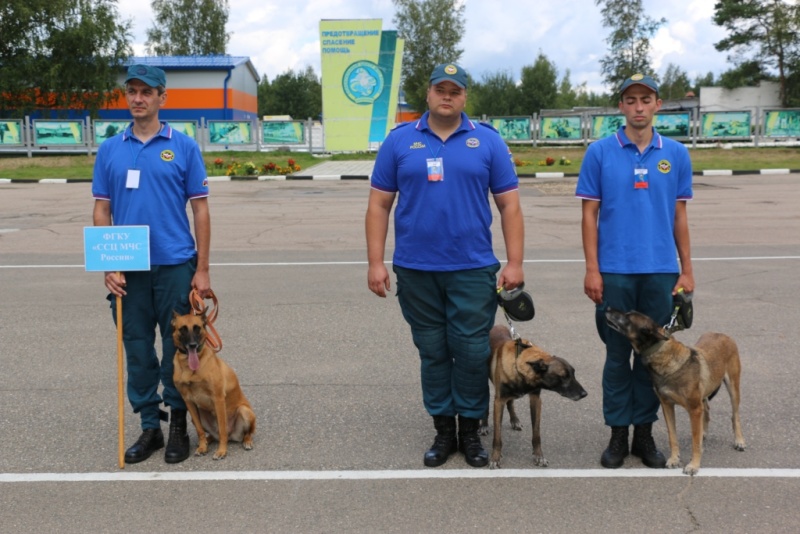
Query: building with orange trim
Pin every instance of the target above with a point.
(207, 87)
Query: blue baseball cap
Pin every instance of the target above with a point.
(639, 79)
(449, 72)
(152, 76)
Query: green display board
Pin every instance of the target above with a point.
(673, 124)
(512, 128)
(782, 123)
(568, 128)
(10, 132)
(105, 129)
(282, 132)
(230, 133)
(58, 133)
(605, 125)
(725, 124)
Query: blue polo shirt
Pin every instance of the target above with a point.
(637, 195)
(171, 172)
(444, 225)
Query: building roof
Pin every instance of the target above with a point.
(216, 62)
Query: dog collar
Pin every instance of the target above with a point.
(520, 346)
(653, 349)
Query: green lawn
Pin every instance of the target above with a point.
(530, 160)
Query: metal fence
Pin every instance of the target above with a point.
(754, 127)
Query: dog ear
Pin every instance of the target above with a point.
(175, 315)
(539, 367)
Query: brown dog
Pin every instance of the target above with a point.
(520, 368)
(210, 388)
(688, 376)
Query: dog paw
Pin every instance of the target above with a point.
(248, 445)
(483, 430)
(540, 461)
(673, 462)
(739, 445)
(200, 452)
(691, 470)
(220, 455)
(516, 425)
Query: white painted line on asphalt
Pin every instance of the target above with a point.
(361, 262)
(121, 476)
(712, 172)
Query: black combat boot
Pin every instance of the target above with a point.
(470, 443)
(178, 443)
(150, 441)
(445, 443)
(617, 449)
(644, 447)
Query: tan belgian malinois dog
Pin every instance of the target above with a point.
(684, 375)
(517, 368)
(210, 388)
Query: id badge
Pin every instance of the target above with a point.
(132, 182)
(640, 178)
(435, 169)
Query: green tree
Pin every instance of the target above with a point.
(590, 99)
(298, 94)
(188, 27)
(760, 32)
(567, 97)
(745, 74)
(703, 81)
(432, 30)
(674, 84)
(538, 86)
(60, 55)
(628, 42)
(496, 95)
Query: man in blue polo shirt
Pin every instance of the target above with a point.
(444, 166)
(634, 187)
(146, 176)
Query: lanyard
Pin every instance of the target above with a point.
(434, 155)
(135, 156)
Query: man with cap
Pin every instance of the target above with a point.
(443, 167)
(146, 176)
(634, 187)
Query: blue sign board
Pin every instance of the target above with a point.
(117, 248)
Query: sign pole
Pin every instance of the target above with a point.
(120, 380)
(120, 249)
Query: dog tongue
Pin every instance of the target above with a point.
(194, 361)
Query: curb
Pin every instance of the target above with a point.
(365, 177)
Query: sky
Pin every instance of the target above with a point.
(500, 35)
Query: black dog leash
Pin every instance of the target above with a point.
(682, 312)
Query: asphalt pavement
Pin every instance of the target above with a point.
(333, 377)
